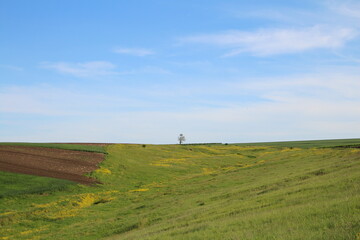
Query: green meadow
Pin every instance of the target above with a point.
(309, 144)
(78, 147)
(294, 190)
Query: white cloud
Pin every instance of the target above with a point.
(311, 119)
(83, 69)
(323, 105)
(139, 52)
(277, 41)
(330, 86)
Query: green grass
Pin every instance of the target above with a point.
(308, 144)
(77, 147)
(200, 192)
(15, 184)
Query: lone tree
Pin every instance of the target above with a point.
(181, 138)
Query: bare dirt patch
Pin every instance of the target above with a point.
(50, 162)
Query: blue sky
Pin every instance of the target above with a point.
(145, 71)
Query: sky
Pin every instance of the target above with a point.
(145, 71)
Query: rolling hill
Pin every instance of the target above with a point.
(289, 190)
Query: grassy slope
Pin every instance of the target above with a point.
(308, 144)
(200, 192)
(15, 184)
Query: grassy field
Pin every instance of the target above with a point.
(309, 144)
(199, 192)
(15, 184)
(77, 147)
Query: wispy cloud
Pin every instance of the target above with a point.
(334, 87)
(287, 15)
(267, 42)
(139, 52)
(45, 100)
(315, 106)
(346, 8)
(83, 69)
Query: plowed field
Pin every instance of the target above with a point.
(50, 162)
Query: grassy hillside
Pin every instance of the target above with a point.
(308, 144)
(15, 184)
(200, 192)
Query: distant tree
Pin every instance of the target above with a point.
(181, 138)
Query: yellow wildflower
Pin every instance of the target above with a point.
(140, 190)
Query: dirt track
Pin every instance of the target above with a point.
(50, 162)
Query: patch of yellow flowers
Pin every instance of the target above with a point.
(63, 208)
(71, 206)
(208, 171)
(33, 231)
(103, 170)
(140, 190)
(170, 162)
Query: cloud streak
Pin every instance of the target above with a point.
(266, 42)
(301, 107)
(83, 69)
(346, 8)
(139, 52)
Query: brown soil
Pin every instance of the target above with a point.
(50, 162)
